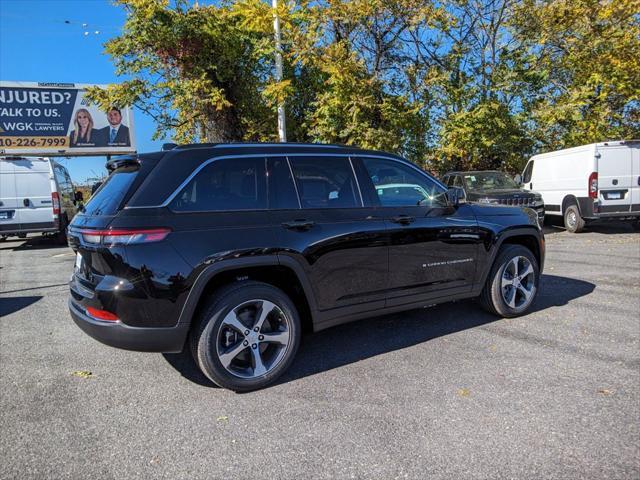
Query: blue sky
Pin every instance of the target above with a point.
(37, 45)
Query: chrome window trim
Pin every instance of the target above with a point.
(287, 156)
(353, 170)
(295, 184)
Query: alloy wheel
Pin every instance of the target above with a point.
(253, 338)
(518, 284)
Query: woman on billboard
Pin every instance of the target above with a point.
(84, 134)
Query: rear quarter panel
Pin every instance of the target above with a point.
(166, 271)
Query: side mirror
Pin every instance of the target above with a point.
(518, 179)
(456, 196)
(79, 197)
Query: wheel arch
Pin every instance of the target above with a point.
(283, 275)
(526, 237)
(570, 200)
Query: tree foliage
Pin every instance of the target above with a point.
(590, 53)
(448, 83)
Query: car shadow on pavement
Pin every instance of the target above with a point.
(32, 243)
(9, 305)
(352, 342)
(603, 228)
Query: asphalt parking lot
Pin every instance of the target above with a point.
(444, 392)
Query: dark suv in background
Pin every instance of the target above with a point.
(495, 188)
(236, 248)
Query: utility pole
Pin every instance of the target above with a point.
(282, 127)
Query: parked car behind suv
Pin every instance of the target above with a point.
(36, 196)
(235, 249)
(494, 187)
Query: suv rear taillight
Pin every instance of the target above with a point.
(124, 236)
(55, 201)
(593, 185)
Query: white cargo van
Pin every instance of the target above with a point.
(599, 181)
(36, 195)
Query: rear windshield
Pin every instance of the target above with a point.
(109, 196)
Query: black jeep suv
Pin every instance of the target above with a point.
(235, 248)
(496, 188)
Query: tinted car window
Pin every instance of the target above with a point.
(526, 178)
(62, 177)
(223, 185)
(325, 182)
(400, 185)
(457, 182)
(488, 181)
(282, 191)
(108, 197)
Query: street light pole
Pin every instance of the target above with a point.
(282, 127)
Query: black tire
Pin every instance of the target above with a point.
(636, 226)
(573, 222)
(492, 296)
(61, 236)
(210, 326)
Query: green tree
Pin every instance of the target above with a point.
(589, 51)
(448, 83)
(480, 80)
(197, 70)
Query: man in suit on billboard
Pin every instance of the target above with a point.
(115, 134)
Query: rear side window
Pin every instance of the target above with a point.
(225, 185)
(110, 195)
(325, 182)
(282, 191)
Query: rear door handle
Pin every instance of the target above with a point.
(403, 219)
(299, 224)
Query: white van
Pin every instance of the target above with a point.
(36, 195)
(594, 182)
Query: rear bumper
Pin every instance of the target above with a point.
(9, 229)
(119, 335)
(590, 210)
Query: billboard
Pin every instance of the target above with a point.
(55, 119)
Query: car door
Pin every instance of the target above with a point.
(635, 182)
(615, 178)
(323, 227)
(433, 246)
(222, 211)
